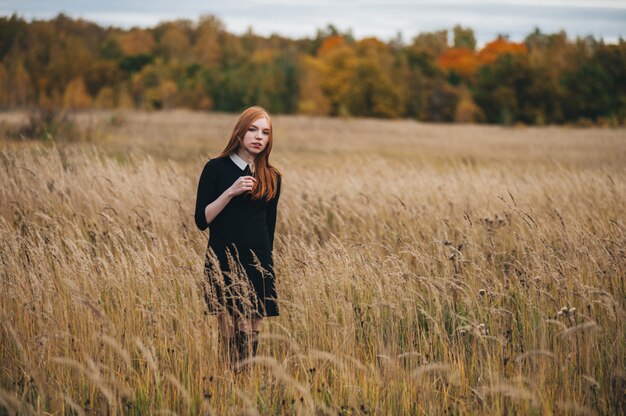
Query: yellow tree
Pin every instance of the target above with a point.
(124, 99)
(76, 96)
(338, 61)
(175, 43)
(168, 90)
(371, 91)
(20, 88)
(207, 47)
(378, 52)
(105, 98)
(136, 41)
(311, 99)
(467, 111)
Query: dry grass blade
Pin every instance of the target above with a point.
(442, 369)
(510, 390)
(76, 408)
(585, 326)
(534, 353)
(250, 408)
(182, 390)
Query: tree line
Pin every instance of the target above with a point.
(437, 76)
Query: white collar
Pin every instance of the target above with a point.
(238, 161)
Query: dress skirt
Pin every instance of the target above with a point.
(241, 281)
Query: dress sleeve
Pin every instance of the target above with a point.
(207, 187)
(271, 214)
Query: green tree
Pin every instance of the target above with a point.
(431, 43)
(101, 74)
(135, 63)
(464, 38)
(111, 49)
(597, 88)
(439, 101)
(371, 93)
(501, 90)
(13, 33)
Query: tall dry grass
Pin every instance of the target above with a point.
(422, 269)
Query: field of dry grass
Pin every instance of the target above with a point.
(422, 269)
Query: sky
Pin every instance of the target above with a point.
(604, 19)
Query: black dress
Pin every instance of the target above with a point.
(239, 266)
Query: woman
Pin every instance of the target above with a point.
(237, 199)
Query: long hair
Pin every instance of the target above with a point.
(265, 174)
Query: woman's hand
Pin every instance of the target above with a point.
(241, 185)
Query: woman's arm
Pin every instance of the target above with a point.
(271, 214)
(206, 193)
(241, 185)
(208, 204)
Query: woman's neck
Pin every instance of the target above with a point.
(246, 156)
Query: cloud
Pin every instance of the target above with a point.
(384, 19)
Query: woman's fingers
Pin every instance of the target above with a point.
(248, 181)
(244, 184)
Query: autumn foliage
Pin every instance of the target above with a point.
(461, 60)
(330, 43)
(490, 53)
(547, 78)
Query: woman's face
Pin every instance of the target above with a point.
(257, 136)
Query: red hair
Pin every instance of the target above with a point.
(265, 174)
